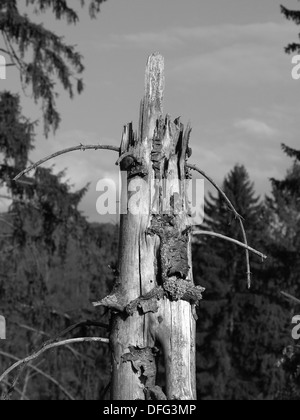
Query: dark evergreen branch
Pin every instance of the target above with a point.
(292, 153)
(42, 56)
(81, 148)
(292, 15)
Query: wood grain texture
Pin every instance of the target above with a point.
(155, 262)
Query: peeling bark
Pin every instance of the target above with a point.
(155, 296)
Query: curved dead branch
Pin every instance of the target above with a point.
(40, 372)
(234, 241)
(81, 148)
(36, 355)
(237, 215)
(54, 341)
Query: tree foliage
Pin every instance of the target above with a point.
(293, 15)
(42, 56)
(52, 265)
(285, 205)
(241, 333)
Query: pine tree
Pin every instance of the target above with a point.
(49, 257)
(236, 349)
(51, 261)
(285, 206)
(41, 56)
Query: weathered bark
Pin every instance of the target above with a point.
(154, 298)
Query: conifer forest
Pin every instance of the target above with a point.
(111, 305)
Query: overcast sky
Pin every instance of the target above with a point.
(226, 72)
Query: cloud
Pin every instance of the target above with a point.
(164, 40)
(256, 128)
(210, 37)
(229, 53)
(238, 65)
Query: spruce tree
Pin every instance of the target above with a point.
(285, 206)
(237, 350)
(50, 264)
(41, 56)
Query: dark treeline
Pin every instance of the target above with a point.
(53, 264)
(243, 334)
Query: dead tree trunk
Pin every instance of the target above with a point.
(153, 302)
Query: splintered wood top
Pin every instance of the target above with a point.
(155, 83)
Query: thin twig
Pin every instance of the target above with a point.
(237, 215)
(27, 377)
(4, 51)
(36, 355)
(195, 168)
(234, 241)
(74, 327)
(56, 338)
(87, 323)
(18, 391)
(40, 372)
(42, 333)
(290, 297)
(81, 148)
(3, 220)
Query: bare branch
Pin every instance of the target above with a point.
(231, 206)
(237, 215)
(54, 341)
(4, 51)
(124, 156)
(81, 148)
(40, 372)
(49, 347)
(18, 391)
(3, 220)
(27, 328)
(290, 297)
(42, 333)
(27, 378)
(74, 327)
(234, 241)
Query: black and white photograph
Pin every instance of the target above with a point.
(149, 203)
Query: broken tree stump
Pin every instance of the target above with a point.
(154, 298)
